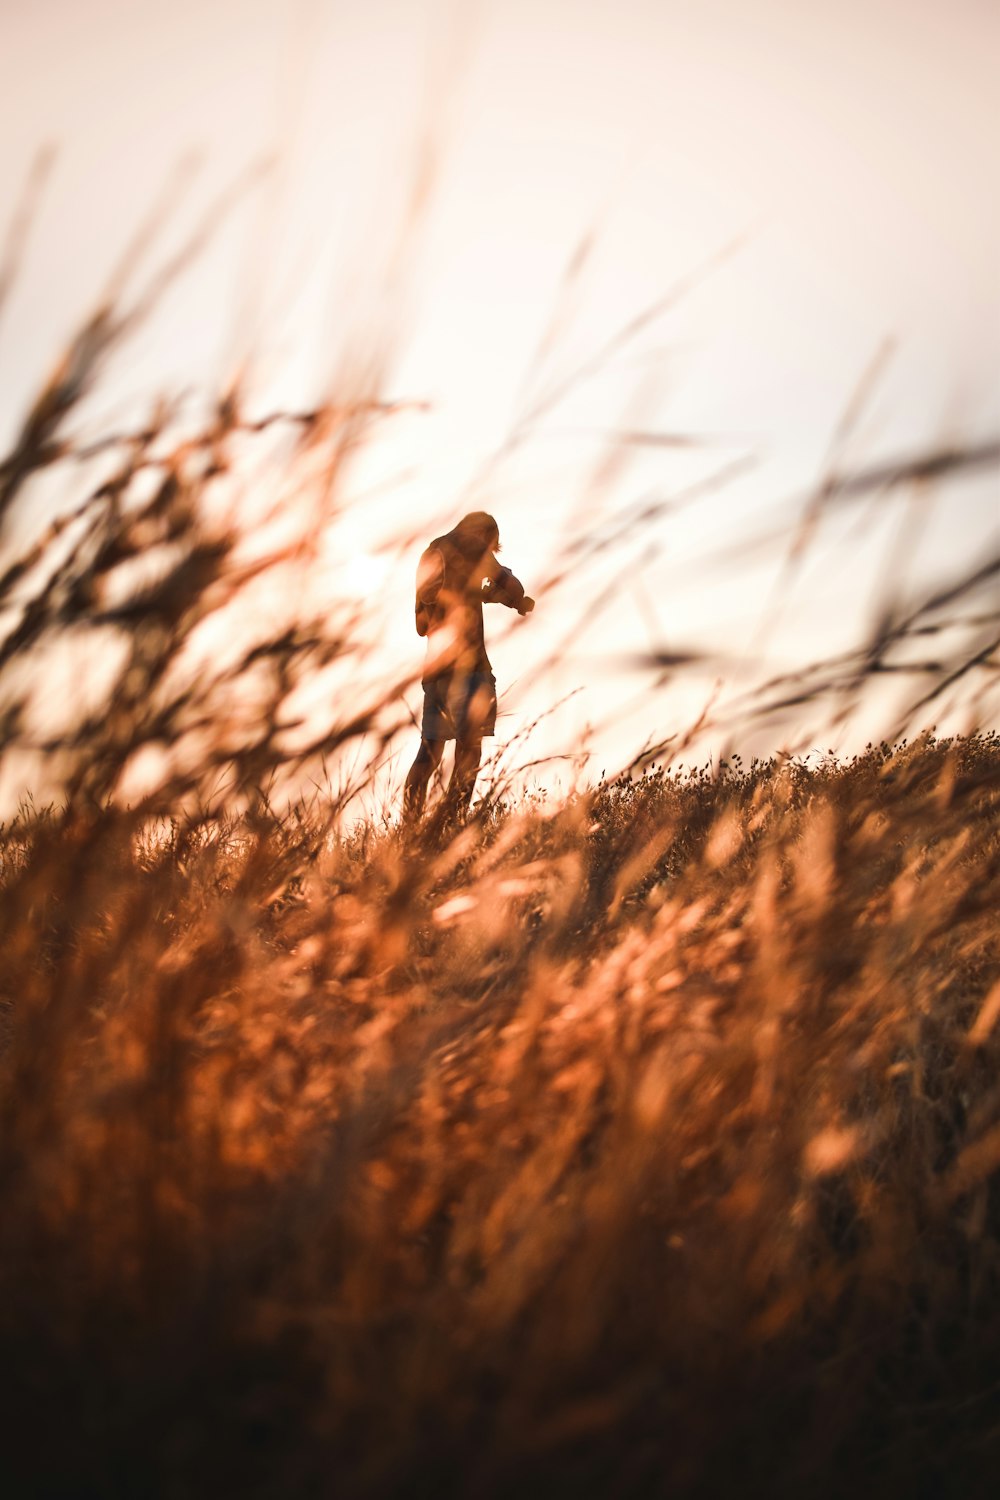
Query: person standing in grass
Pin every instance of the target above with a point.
(458, 573)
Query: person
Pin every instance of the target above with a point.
(458, 573)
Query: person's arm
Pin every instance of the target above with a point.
(501, 587)
(430, 576)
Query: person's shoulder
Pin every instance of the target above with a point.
(439, 544)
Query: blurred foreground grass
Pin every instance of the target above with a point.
(642, 1144)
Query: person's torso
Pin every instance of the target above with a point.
(455, 636)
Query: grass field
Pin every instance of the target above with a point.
(644, 1144)
(635, 1142)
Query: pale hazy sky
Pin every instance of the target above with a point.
(853, 143)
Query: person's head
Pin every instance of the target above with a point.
(478, 531)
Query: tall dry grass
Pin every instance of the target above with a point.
(648, 1145)
(641, 1142)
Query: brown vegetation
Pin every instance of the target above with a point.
(648, 1143)
(642, 1142)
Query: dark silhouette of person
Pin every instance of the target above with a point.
(457, 574)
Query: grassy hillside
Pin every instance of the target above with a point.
(643, 1144)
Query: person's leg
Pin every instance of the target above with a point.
(474, 717)
(468, 754)
(415, 790)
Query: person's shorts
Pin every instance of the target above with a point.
(460, 707)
